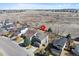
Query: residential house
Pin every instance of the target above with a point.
(43, 37)
(57, 46)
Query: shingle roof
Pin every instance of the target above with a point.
(30, 33)
(76, 50)
(57, 45)
(60, 42)
(41, 35)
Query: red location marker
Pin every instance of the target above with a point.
(43, 27)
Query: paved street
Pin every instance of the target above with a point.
(11, 48)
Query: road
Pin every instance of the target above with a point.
(11, 48)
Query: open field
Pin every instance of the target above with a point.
(60, 22)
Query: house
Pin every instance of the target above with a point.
(43, 38)
(36, 37)
(8, 25)
(75, 50)
(58, 45)
(2, 31)
(27, 37)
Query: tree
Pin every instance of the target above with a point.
(26, 42)
(68, 36)
(49, 30)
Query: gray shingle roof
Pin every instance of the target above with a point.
(60, 42)
(76, 50)
(57, 46)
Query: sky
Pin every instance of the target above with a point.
(4, 6)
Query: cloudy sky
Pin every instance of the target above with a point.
(39, 6)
